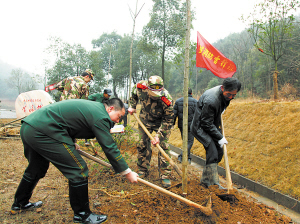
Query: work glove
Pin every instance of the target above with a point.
(222, 142)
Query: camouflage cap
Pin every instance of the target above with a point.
(90, 72)
(155, 87)
(155, 80)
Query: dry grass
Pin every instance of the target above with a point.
(264, 140)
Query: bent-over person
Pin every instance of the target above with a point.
(206, 126)
(48, 136)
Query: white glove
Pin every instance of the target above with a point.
(222, 142)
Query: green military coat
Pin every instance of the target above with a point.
(69, 119)
(98, 97)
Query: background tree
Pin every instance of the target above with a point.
(71, 60)
(271, 24)
(133, 16)
(21, 81)
(106, 45)
(165, 28)
(121, 69)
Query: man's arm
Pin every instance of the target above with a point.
(207, 121)
(134, 97)
(101, 129)
(60, 85)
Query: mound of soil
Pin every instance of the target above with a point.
(123, 202)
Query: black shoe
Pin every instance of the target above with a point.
(180, 158)
(190, 160)
(89, 218)
(30, 206)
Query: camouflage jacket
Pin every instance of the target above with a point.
(73, 88)
(153, 112)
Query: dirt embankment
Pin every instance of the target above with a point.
(263, 143)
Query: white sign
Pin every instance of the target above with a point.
(28, 102)
(117, 129)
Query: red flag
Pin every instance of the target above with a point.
(209, 57)
(50, 87)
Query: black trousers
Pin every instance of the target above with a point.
(190, 141)
(40, 150)
(214, 153)
(125, 120)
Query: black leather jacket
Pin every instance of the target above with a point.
(178, 110)
(206, 124)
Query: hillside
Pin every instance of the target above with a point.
(263, 143)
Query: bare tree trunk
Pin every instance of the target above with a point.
(185, 98)
(132, 38)
(275, 85)
(109, 64)
(163, 61)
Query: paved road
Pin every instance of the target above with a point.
(8, 114)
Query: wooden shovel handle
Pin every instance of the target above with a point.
(227, 169)
(206, 210)
(95, 159)
(165, 155)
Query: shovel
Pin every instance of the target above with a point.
(227, 197)
(206, 210)
(158, 146)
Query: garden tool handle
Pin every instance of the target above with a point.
(206, 210)
(158, 146)
(227, 169)
(95, 159)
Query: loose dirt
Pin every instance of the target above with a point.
(121, 201)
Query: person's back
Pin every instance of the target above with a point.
(74, 118)
(101, 97)
(178, 112)
(75, 87)
(98, 97)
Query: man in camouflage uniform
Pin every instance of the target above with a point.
(157, 115)
(75, 87)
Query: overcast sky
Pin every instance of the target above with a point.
(27, 24)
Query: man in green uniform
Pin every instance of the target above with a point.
(48, 136)
(157, 115)
(75, 87)
(101, 97)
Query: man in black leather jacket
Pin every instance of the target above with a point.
(178, 112)
(206, 126)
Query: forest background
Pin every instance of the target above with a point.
(160, 51)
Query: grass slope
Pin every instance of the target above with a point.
(264, 141)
